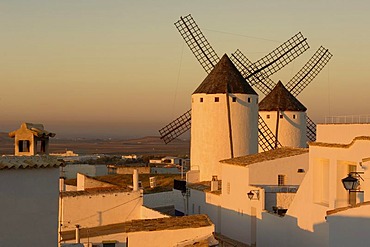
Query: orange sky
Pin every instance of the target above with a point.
(120, 68)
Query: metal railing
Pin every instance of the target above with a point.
(347, 119)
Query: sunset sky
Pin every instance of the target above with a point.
(119, 68)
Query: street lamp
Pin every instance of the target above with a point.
(352, 183)
(251, 194)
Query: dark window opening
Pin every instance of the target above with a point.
(201, 99)
(268, 116)
(281, 180)
(281, 116)
(217, 99)
(234, 99)
(249, 100)
(23, 146)
(41, 147)
(293, 116)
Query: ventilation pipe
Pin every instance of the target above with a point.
(135, 180)
(77, 234)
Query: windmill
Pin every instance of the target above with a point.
(257, 72)
(295, 86)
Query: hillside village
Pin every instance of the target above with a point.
(260, 172)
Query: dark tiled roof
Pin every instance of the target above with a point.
(160, 224)
(95, 191)
(36, 129)
(337, 210)
(280, 99)
(29, 162)
(266, 156)
(224, 78)
(339, 145)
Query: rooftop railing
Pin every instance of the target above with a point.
(351, 119)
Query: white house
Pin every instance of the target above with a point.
(29, 190)
(292, 196)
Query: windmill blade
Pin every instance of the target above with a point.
(197, 42)
(266, 139)
(311, 129)
(309, 71)
(278, 58)
(176, 128)
(257, 74)
(263, 83)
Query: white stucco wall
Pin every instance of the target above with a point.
(292, 131)
(168, 238)
(341, 133)
(98, 209)
(266, 173)
(29, 207)
(210, 139)
(350, 227)
(163, 199)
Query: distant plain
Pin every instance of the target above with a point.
(150, 145)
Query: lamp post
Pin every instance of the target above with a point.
(351, 183)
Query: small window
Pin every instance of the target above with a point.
(23, 146)
(281, 180)
(201, 99)
(234, 99)
(281, 116)
(268, 116)
(217, 99)
(293, 116)
(249, 100)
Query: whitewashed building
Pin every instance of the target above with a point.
(29, 190)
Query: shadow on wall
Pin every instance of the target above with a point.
(271, 230)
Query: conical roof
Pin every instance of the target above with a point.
(280, 99)
(224, 78)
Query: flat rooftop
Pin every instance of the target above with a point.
(161, 224)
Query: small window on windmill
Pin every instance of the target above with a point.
(281, 116)
(234, 99)
(268, 116)
(201, 99)
(249, 100)
(294, 116)
(217, 99)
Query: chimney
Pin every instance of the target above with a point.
(62, 186)
(135, 180)
(77, 234)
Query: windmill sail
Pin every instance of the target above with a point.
(243, 64)
(309, 71)
(197, 42)
(311, 130)
(266, 139)
(176, 128)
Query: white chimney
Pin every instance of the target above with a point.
(62, 186)
(135, 180)
(77, 234)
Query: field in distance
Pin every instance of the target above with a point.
(145, 145)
